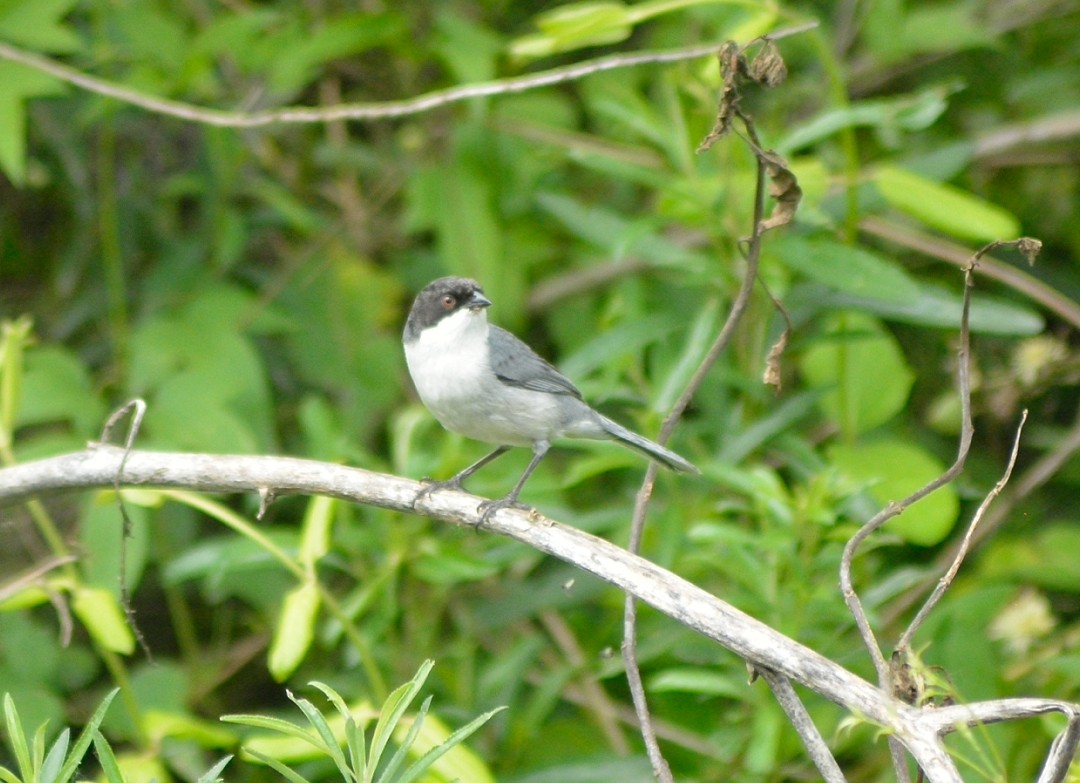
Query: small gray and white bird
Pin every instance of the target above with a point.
(480, 381)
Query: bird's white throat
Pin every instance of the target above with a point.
(445, 359)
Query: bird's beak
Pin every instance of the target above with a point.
(478, 301)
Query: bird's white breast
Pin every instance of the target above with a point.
(450, 367)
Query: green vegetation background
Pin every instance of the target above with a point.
(251, 286)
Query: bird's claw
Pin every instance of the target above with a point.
(431, 485)
(489, 507)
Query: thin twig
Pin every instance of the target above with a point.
(641, 503)
(137, 409)
(894, 509)
(965, 544)
(1062, 750)
(365, 111)
(816, 746)
(1040, 472)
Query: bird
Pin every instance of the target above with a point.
(480, 381)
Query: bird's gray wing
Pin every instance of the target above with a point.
(516, 364)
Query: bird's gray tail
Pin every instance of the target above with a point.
(669, 459)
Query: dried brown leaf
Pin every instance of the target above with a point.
(783, 187)
(772, 376)
(1029, 247)
(732, 64)
(768, 69)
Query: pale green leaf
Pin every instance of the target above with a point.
(890, 470)
(944, 207)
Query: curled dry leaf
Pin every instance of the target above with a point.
(732, 64)
(1029, 247)
(783, 187)
(768, 68)
(772, 375)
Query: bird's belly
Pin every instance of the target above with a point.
(467, 398)
(502, 415)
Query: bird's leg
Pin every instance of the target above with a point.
(489, 507)
(455, 481)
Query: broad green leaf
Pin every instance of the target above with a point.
(846, 268)
(698, 681)
(941, 308)
(890, 470)
(573, 26)
(861, 370)
(57, 387)
(901, 113)
(99, 611)
(949, 209)
(37, 25)
(295, 630)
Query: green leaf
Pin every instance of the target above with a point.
(107, 759)
(277, 766)
(941, 308)
(697, 681)
(616, 234)
(330, 743)
(213, 774)
(75, 757)
(99, 611)
(846, 268)
(392, 711)
(944, 207)
(348, 35)
(20, 84)
(54, 759)
(295, 630)
(100, 536)
(1046, 558)
(465, 766)
(890, 470)
(405, 743)
(574, 26)
(316, 528)
(862, 371)
(901, 113)
(36, 25)
(58, 387)
(276, 725)
(17, 738)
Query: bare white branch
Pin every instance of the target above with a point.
(918, 729)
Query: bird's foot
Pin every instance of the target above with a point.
(431, 485)
(489, 507)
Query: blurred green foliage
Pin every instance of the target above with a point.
(251, 285)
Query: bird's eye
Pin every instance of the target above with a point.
(448, 301)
